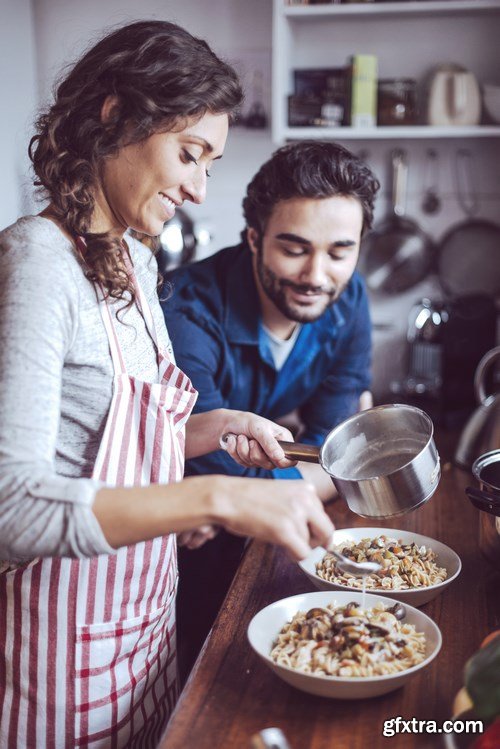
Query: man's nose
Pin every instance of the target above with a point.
(314, 272)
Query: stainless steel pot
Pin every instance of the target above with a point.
(481, 434)
(383, 461)
(486, 470)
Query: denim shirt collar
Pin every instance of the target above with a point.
(243, 317)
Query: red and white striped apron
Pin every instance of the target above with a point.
(90, 643)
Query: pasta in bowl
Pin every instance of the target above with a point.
(415, 568)
(326, 644)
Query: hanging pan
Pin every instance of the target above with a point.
(398, 254)
(469, 253)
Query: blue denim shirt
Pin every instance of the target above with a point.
(214, 320)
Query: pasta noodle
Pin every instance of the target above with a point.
(348, 641)
(404, 566)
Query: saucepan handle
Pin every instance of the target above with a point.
(485, 501)
(300, 451)
(293, 450)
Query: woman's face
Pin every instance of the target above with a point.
(145, 182)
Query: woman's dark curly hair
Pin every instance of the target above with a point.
(308, 169)
(162, 77)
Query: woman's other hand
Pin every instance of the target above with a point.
(197, 537)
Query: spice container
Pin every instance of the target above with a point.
(397, 101)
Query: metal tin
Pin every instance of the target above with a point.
(383, 461)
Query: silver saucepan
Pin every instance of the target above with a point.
(383, 461)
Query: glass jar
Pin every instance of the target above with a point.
(397, 101)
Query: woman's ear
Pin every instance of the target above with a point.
(110, 109)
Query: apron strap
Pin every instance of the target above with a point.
(114, 344)
(107, 317)
(141, 300)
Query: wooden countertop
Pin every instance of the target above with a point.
(232, 695)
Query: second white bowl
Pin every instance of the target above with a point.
(266, 625)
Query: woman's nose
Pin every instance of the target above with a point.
(196, 188)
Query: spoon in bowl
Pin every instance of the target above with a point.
(358, 569)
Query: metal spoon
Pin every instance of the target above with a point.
(358, 569)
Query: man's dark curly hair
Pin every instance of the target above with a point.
(163, 77)
(308, 169)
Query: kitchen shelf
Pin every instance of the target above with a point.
(416, 132)
(408, 38)
(412, 8)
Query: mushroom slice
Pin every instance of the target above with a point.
(315, 612)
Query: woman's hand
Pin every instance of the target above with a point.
(251, 441)
(288, 513)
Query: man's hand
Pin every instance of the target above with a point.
(251, 441)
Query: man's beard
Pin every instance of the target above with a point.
(275, 289)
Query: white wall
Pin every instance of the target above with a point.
(238, 30)
(65, 27)
(39, 38)
(18, 102)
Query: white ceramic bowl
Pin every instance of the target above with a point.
(445, 557)
(491, 98)
(265, 626)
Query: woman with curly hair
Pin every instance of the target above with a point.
(94, 413)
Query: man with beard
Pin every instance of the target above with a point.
(275, 325)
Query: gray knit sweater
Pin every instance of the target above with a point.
(56, 387)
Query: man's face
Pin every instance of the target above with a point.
(307, 255)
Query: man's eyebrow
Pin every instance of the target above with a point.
(208, 147)
(344, 243)
(286, 237)
(293, 238)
